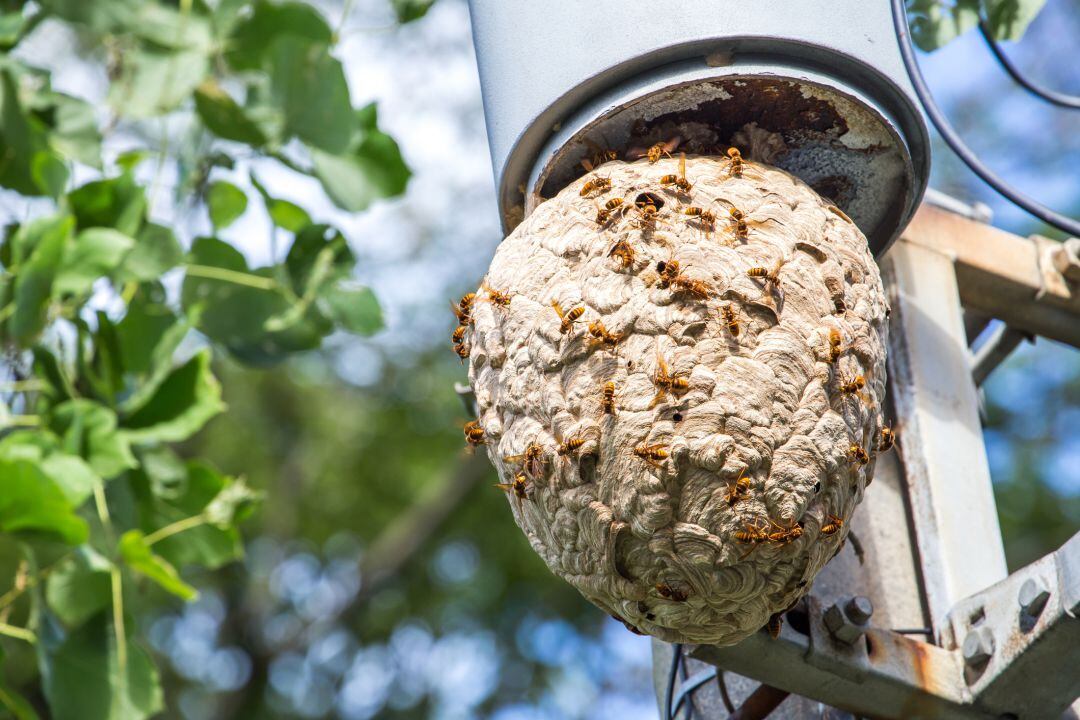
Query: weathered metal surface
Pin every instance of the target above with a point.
(1004, 276)
(994, 351)
(542, 78)
(952, 502)
(1023, 664)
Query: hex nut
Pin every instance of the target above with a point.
(1033, 597)
(661, 532)
(978, 647)
(841, 626)
(859, 609)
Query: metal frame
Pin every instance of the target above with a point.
(997, 645)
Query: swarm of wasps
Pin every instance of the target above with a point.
(644, 213)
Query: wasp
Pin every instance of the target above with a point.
(661, 149)
(599, 156)
(463, 309)
(831, 527)
(679, 182)
(519, 486)
(459, 334)
(474, 433)
(599, 185)
(568, 318)
(665, 382)
(607, 213)
(648, 210)
(857, 454)
(608, 403)
(731, 319)
(775, 624)
(736, 165)
(497, 297)
(602, 337)
(704, 218)
(783, 535)
(752, 535)
(835, 348)
(853, 386)
(668, 592)
(738, 490)
(462, 350)
(886, 439)
(532, 460)
(652, 454)
(840, 213)
(771, 277)
(671, 277)
(624, 252)
(836, 292)
(570, 446)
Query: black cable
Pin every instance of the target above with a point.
(949, 135)
(676, 656)
(1054, 97)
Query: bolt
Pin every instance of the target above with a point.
(859, 609)
(848, 623)
(1066, 259)
(1033, 596)
(978, 647)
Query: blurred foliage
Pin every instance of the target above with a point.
(103, 311)
(936, 22)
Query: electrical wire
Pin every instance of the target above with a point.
(953, 140)
(1054, 97)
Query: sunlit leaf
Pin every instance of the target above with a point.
(1008, 19)
(83, 679)
(73, 128)
(34, 282)
(153, 81)
(232, 504)
(226, 203)
(79, 587)
(409, 10)
(206, 545)
(99, 16)
(156, 251)
(370, 169)
(70, 473)
(353, 307)
(96, 252)
(118, 203)
(89, 429)
(251, 39)
(49, 172)
(180, 406)
(11, 28)
(224, 117)
(139, 557)
(284, 214)
(309, 86)
(169, 28)
(31, 502)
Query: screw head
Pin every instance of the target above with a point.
(1033, 597)
(978, 647)
(859, 609)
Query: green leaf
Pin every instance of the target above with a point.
(21, 136)
(31, 502)
(169, 28)
(155, 81)
(48, 368)
(12, 25)
(283, 213)
(128, 160)
(89, 430)
(80, 586)
(140, 558)
(251, 38)
(182, 404)
(232, 504)
(1008, 19)
(83, 679)
(226, 203)
(206, 545)
(49, 172)
(372, 168)
(155, 252)
(34, 282)
(96, 252)
(224, 117)
(99, 16)
(933, 24)
(308, 84)
(409, 10)
(118, 203)
(235, 315)
(353, 307)
(148, 336)
(308, 245)
(74, 130)
(70, 473)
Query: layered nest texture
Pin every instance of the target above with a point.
(684, 408)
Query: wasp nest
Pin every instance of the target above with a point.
(679, 368)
